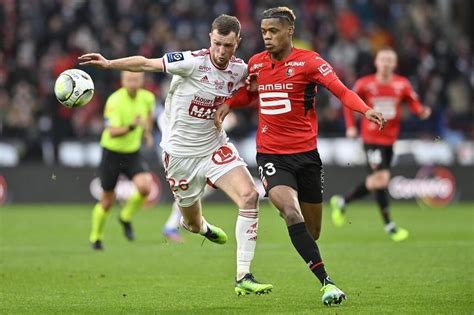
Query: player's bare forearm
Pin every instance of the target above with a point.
(220, 115)
(147, 134)
(133, 63)
(118, 131)
(121, 131)
(137, 64)
(149, 123)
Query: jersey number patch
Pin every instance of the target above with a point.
(280, 106)
(374, 156)
(385, 105)
(174, 186)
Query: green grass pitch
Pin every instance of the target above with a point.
(47, 266)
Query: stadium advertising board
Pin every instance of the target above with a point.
(431, 186)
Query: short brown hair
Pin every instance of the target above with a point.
(281, 13)
(224, 24)
(387, 48)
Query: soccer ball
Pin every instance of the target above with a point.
(74, 88)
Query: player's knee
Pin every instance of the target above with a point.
(143, 189)
(106, 203)
(143, 183)
(315, 232)
(384, 179)
(248, 198)
(377, 181)
(381, 180)
(292, 216)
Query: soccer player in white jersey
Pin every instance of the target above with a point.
(171, 228)
(195, 152)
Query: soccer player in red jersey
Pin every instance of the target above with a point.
(287, 156)
(383, 91)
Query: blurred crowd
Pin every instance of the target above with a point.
(42, 38)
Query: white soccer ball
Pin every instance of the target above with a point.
(74, 88)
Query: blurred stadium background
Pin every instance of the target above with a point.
(42, 38)
(48, 153)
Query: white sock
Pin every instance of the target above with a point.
(390, 227)
(204, 226)
(173, 220)
(246, 236)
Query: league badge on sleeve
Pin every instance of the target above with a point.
(175, 56)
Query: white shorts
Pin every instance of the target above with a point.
(188, 176)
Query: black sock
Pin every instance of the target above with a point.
(308, 250)
(359, 192)
(382, 200)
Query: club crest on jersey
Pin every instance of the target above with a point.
(290, 72)
(230, 86)
(232, 74)
(219, 85)
(172, 57)
(223, 155)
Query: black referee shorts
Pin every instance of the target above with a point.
(301, 171)
(379, 157)
(113, 164)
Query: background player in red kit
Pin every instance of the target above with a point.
(384, 91)
(289, 163)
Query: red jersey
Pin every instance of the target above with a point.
(287, 121)
(387, 99)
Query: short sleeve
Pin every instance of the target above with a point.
(179, 63)
(112, 115)
(320, 71)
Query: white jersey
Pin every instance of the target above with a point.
(197, 89)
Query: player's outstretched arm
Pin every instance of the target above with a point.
(134, 63)
(352, 101)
